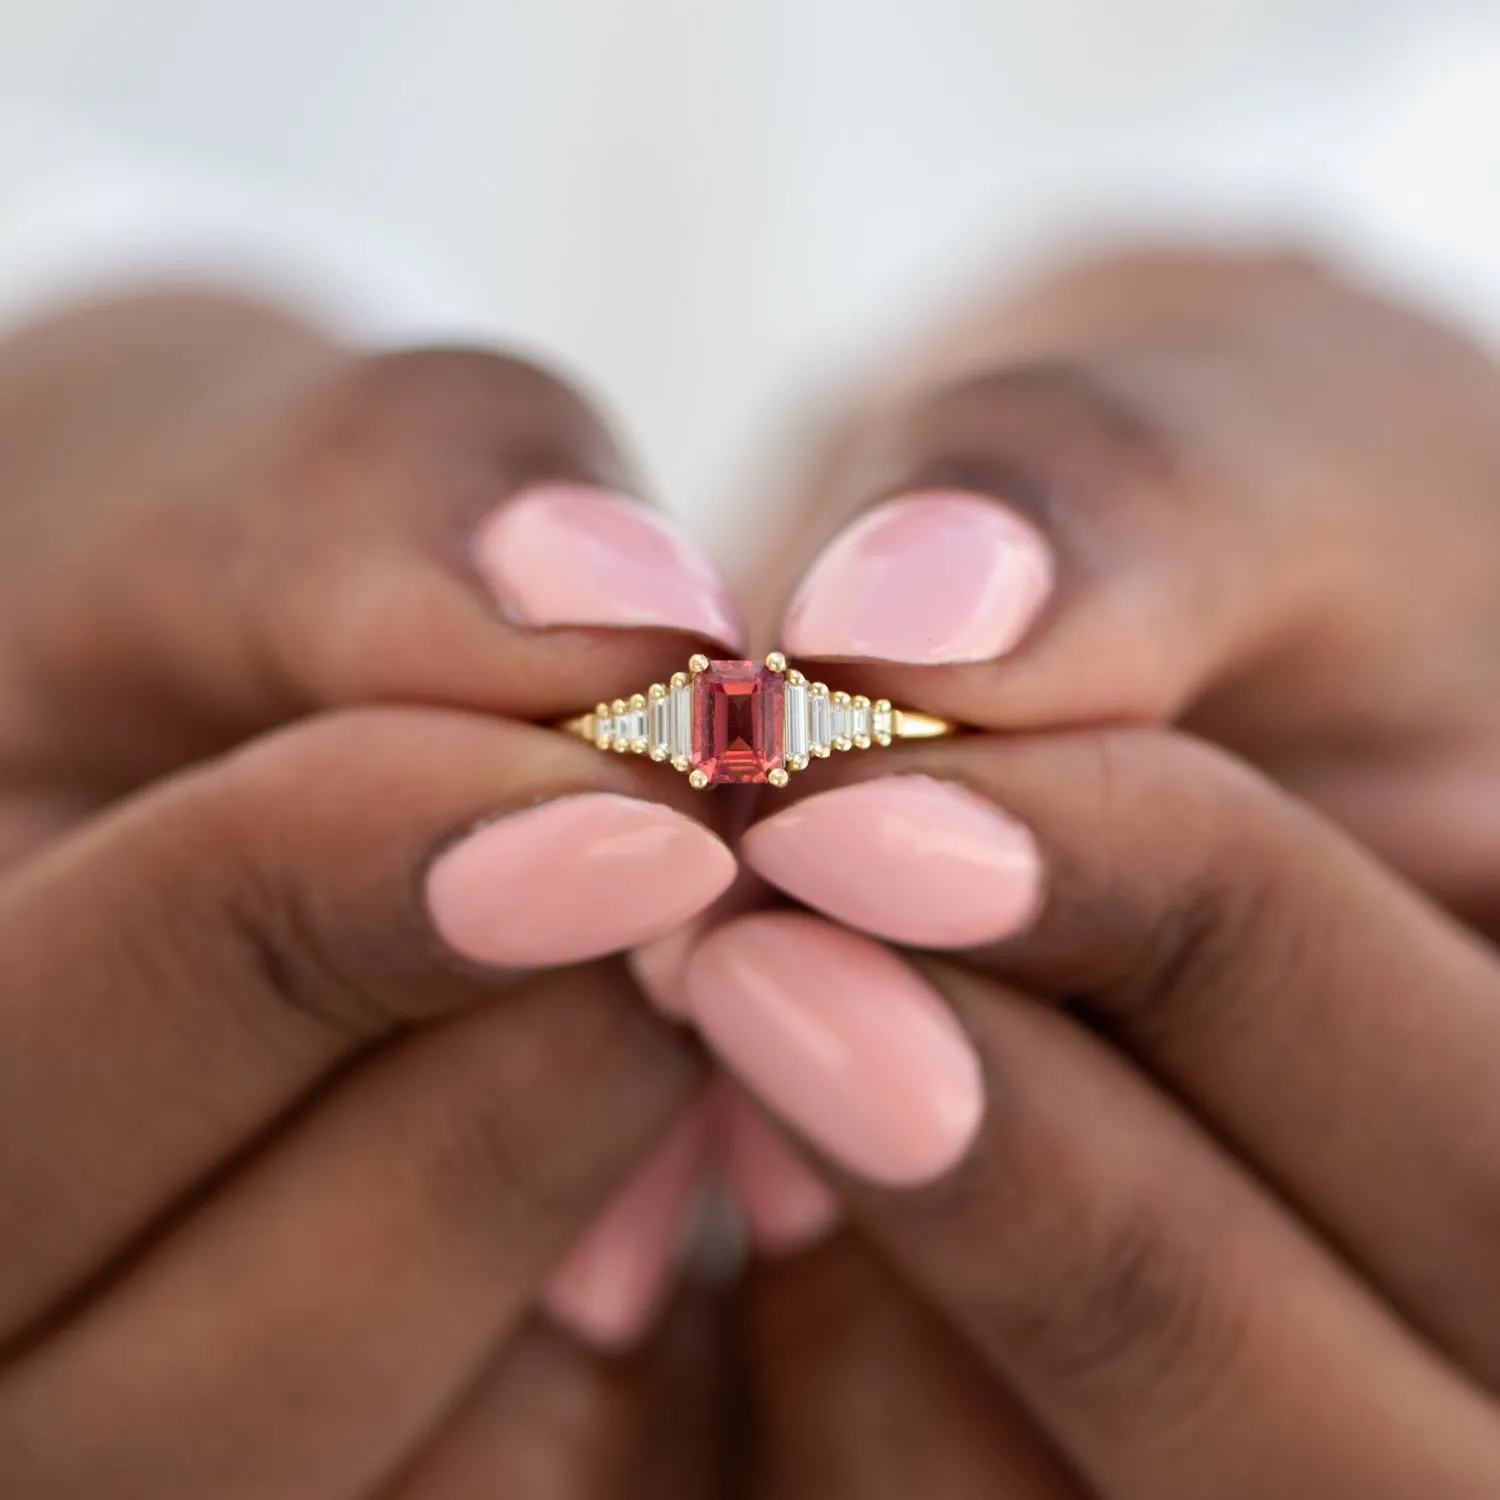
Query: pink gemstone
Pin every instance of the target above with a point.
(737, 723)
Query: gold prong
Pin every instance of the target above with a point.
(698, 779)
(618, 706)
(637, 701)
(656, 690)
(776, 662)
(778, 777)
(679, 679)
(822, 751)
(797, 763)
(843, 742)
(860, 701)
(843, 699)
(637, 747)
(795, 677)
(818, 690)
(679, 763)
(862, 742)
(657, 752)
(697, 664)
(601, 710)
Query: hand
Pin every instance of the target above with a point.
(312, 1062)
(1190, 1139)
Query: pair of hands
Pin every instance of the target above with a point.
(1167, 1143)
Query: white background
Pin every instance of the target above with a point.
(712, 210)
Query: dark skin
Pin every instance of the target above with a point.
(1226, 1228)
(239, 617)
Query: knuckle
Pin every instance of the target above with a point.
(1200, 927)
(429, 412)
(283, 934)
(499, 1140)
(1050, 435)
(1122, 1312)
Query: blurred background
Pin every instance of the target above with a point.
(716, 214)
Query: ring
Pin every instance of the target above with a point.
(727, 723)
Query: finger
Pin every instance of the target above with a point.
(305, 1331)
(183, 970)
(1186, 487)
(1333, 1026)
(437, 526)
(612, 1282)
(547, 1420)
(550, 1421)
(861, 1392)
(1167, 1324)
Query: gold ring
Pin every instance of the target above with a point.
(726, 723)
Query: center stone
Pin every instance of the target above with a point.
(737, 724)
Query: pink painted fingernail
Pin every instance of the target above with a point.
(574, 878)
(566, 554)
(842, 1040)
(936, 576)
(785, 1207)
(659, 966)
(611, 1284)
(908, 858)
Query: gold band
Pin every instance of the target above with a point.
(738, 721)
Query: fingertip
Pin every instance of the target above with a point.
(927, 578)
(560, 554)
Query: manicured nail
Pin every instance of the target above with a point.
(659, 967)
(842, 1040)
(785, 1207)
(611, 1284)
(574, 878)
(566, 554)
(908, 858)
(937, 576)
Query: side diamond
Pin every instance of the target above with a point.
(631, 726)
(843, 712)
(796, 721)
(682, 719)
(820, 724)
(861, 721)
(659, 740)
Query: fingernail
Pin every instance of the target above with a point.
(842, 1040)
(566, 554)
(658, 968)
(611, 1284)
(908, 858)
(785, 1208)
(574, 878)
(935, 576)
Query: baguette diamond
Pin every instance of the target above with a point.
(796, 722)
(682, 720)
(820, 720)
(660, 739)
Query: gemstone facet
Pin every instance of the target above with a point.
(737, 722)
